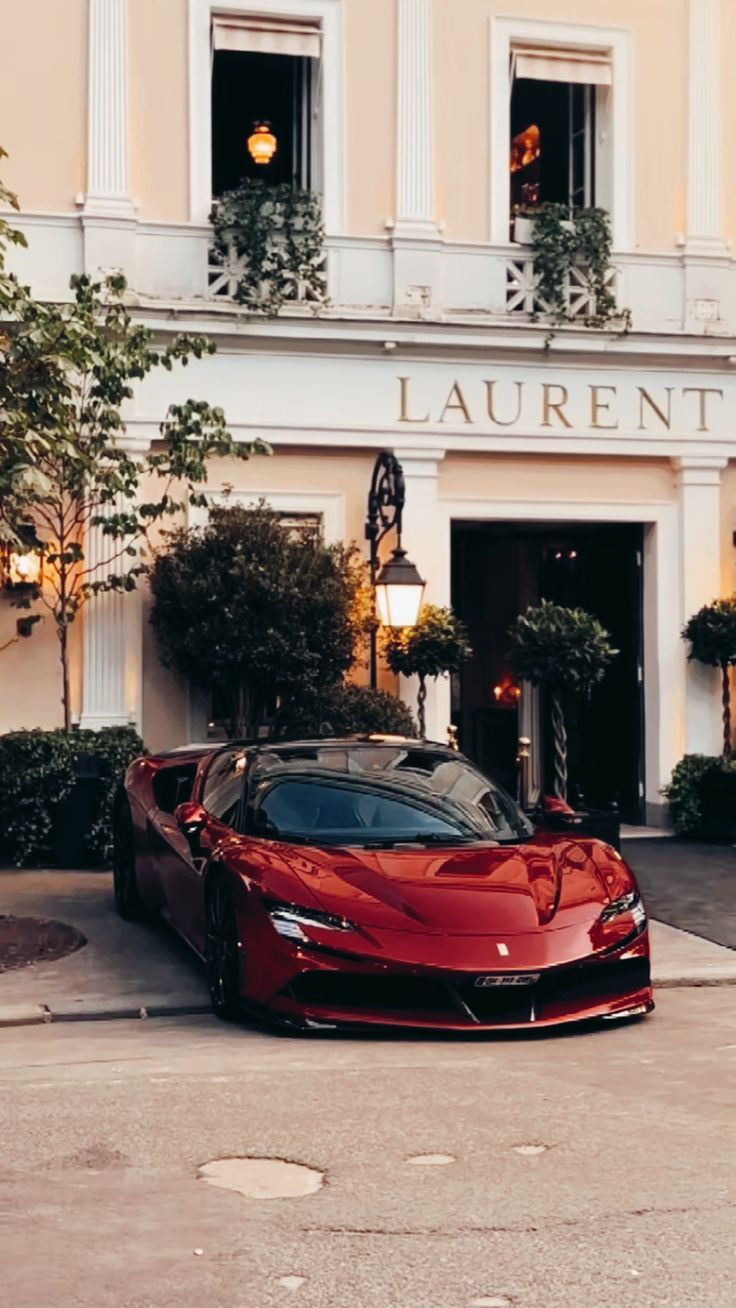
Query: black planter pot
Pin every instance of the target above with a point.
(74, 817)
(718, 807)
(603, 825)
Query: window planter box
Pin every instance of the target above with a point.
(524, 225)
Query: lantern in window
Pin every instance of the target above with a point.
(22, 568)
(262, 144)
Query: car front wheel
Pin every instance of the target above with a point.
(222, 954)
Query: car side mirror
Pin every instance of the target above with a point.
(190, 818)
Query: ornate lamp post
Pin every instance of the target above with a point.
(397, 587)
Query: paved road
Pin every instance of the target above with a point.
(631, 1202)
(688, 885)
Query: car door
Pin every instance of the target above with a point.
(189, 852)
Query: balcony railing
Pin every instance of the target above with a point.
(226, 273)
(523, 295)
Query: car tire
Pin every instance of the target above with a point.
(128, 903)
(222, 952)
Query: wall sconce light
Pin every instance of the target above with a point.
(262, 144)
(21, 569)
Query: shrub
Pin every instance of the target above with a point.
(712, 636)
(684, 793)
(347, 710)
(38, 772)
(438, 644)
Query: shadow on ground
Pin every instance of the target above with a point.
(688, 885)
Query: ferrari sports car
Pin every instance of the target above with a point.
(376, 881)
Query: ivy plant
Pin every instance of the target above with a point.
(565, 651)
(438, 644)
(712, 636)
(562, 238)
(277, 235)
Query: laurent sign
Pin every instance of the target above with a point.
(500, 404)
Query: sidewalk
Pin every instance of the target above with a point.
(128, 970)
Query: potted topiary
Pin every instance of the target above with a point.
(712, 636)
(438, 644)
(565, 651)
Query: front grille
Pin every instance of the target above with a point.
(588, 981)
(498, 1003)
(351, 990)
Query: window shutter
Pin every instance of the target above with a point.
(268, 36)
(550, 65)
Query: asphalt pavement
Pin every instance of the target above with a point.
(688, 885)
(586, 1170)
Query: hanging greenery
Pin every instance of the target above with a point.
(277, 236)
(563, 238)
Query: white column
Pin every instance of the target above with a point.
(699, 494)
(426, 538)
(705, 140)
(414, 186)
(108, 213)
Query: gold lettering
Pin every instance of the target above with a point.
(598, 406)
(504, 422)
(554, 406)
(645, 397)
(404, 415)
(456, 404)
(702, 391)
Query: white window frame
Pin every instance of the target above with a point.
(329, 14)
(615, 193)
(329, 505)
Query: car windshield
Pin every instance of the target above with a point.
(378, 795)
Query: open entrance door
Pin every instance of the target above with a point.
(498, 570)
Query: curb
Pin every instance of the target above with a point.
(40, 1014)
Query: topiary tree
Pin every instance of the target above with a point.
(712, 636)
(563, 650)
(245, 608)
(348, 710)
(438, 644)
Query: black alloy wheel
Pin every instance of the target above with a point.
(128, 903)
(222, 954)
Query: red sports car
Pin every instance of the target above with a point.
(377, 881)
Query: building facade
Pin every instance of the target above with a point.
(592, 464)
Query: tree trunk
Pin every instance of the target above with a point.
(63, 631)
(421, 701)
(560, 742)
(726, 712)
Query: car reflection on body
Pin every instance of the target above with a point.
(376, 881)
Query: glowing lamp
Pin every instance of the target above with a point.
(399, 591)
(21, 567)
(262, 144)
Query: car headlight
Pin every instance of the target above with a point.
(628, 905)
(289, 920)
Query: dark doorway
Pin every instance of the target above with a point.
(498, 569)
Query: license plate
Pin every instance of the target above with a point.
(507, 979)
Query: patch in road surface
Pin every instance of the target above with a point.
(28, 940)
(491, 1301)
(263, 1178)
(530, 1150)
(432, 1160)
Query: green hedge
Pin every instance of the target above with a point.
(38, 772)
(347, 710)
(684, 794)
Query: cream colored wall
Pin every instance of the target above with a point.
(728, 161)
(30, 672)
(159, 108)
(43, 95)
(370, 115)
(462, 107)
(527, 477)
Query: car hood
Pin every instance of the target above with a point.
(481, 890)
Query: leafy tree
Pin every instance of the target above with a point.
(247, 609)
(712, 636)
(438, 644)
(564, 650)
(75, 366)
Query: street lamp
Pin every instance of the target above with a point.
(398, 587)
